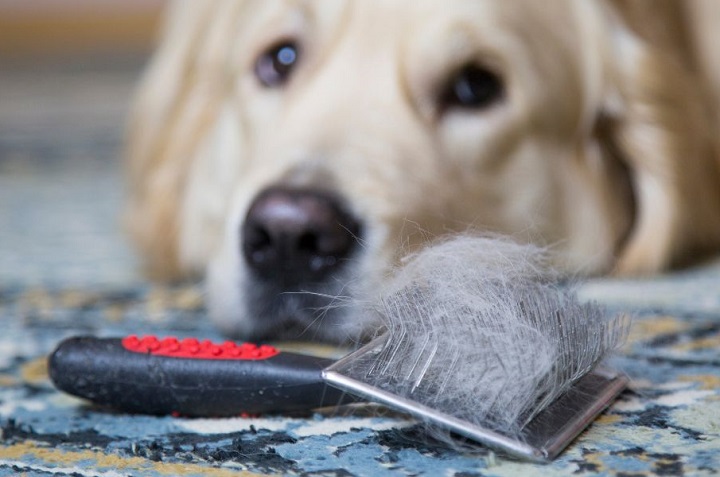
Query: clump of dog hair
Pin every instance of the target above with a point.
(483, 329)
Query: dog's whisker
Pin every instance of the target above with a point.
(355, 236)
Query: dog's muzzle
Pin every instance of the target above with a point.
(298, 246)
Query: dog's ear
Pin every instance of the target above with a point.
(176, 100)
(659, 123)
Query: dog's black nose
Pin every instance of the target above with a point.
(297, 235)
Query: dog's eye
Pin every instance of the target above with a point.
(472, 87)
(273, 67)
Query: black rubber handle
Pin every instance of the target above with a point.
(106, 372)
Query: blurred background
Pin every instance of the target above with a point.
(67, 72)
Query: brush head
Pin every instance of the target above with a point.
(479, 330)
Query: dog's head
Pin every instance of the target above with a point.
(296, 149)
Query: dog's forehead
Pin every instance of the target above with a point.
(419, 15)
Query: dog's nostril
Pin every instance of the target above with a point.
(259, 244)
(321, 256)
(308, 242)
(296, 235)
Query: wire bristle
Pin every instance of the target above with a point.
(480, 328)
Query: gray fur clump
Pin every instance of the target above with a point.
(481, 329)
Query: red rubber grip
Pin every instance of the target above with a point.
(192, 348)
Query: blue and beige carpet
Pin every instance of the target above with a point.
(65, 270)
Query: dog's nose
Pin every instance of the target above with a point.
(296, 235)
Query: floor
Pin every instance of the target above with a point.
(61, 130)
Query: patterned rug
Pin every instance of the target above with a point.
(65, 270)
(667, 423)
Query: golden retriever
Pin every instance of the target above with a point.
(294, 149)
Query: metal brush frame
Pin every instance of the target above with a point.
(541, 440)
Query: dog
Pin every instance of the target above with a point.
(294, 150)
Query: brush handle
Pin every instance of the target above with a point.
(189, 377)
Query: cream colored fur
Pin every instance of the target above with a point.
(605, 146)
